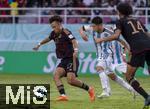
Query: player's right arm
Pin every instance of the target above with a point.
(82, 31)
(148, 34)
(145, 29)
(124, 44)
(46, 40)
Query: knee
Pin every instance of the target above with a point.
(112, 76)
(70, 81)
(129, 78)
(56, 77)
(99, 69)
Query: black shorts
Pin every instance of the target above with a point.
(138, 60)
(69, 65)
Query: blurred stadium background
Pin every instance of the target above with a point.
(23, 23)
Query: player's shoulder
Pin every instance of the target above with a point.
(108, 30)
(126, 19)
(66, 31)
(52, 34)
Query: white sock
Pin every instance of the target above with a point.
(63, 95)
(123, 83)
(104, 82)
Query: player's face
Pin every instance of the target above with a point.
(56, 26)
(95, 27)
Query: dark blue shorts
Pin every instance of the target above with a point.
(70, 65)
(138, 60)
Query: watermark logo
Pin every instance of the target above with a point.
(25, 96)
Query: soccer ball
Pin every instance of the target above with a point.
(40, 92)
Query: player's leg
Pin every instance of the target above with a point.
(58, 74)
(148, 60)
(115, 77)
(122, 68)
(134, 83)
(72, 74)
(136, 61)
(101, 69)
(149, 70)
(74, 81)
(147, 101)
(104, 82)
(120, 81)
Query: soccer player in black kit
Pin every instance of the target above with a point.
(138, 37)
(66, 50)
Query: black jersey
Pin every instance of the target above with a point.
(63, 42)
(134, 33)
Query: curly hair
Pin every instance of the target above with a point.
(125, 8)
(55, 18)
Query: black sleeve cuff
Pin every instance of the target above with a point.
(83, 28)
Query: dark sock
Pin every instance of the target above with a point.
(61, 89)
(149, 71)
(136, 85)
(84, 86)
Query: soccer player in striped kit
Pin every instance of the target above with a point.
(119, 57)
(104, 56)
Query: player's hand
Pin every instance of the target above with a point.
(36, 47)
(84, 37)
(98, 40)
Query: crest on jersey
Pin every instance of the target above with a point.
(70, 36)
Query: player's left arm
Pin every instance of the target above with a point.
(75, 47)
(75, 53)
(145, 29)
(115, 36)
(126, 48)
(73, 40)
(82, 34)
(124, 45)
(148, 34)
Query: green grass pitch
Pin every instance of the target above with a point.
(78, 98)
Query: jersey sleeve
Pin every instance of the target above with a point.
(51, 36)
(87, 28)
(69, 34)
(118, 25)
(105, 34)
(145, 29)
(71, 37)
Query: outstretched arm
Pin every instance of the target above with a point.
(112, 37)
(46, 40)
(148, 34)
(82, 34)
(126, 48)
(75, 54)
(75, 47)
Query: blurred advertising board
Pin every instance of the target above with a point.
(45, 62)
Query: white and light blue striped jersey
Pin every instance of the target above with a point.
(118, 57)
(103, 49)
